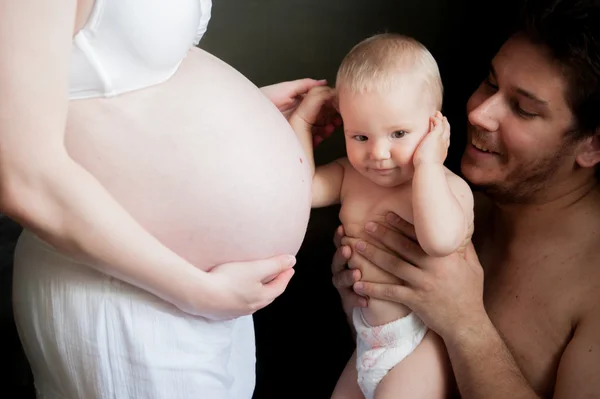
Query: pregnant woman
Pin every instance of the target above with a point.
(163, 198)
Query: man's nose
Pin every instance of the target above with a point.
(486, 115)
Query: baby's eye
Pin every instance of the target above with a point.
(398, 134)
(360, 138)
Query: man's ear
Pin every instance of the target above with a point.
(588, 152)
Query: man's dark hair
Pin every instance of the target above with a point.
(570, 31)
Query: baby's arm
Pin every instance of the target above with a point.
(442, 209)
(327, 179)
(442, 201)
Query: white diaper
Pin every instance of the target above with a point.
(380, 348)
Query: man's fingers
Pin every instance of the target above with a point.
(386, 261)
(349, 241)
(340, 259)
(400, 225)
(387, 292)
(337, 237)
(396, 241)
(345, 278)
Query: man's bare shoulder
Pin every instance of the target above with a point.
(576, 238)
(582, 228)
(580, 362)
(579, 366)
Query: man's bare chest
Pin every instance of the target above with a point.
(532, 310)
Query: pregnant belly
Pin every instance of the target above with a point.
(204, 162)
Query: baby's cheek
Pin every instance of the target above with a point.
(355, 157)
(403, 156)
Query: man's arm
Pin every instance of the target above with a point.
(579, 370)
(483, 365)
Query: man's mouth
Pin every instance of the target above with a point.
(484, 148)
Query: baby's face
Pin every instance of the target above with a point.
(383, 130)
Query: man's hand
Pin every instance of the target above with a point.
(344, 278)
(447, 293)
(434, 146)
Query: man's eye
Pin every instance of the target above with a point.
(522, 113)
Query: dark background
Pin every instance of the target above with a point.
(303, 341)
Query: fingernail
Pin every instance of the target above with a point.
(290, 261)
(392, 218)
(361, 245)
(371, 227)
(359, 287)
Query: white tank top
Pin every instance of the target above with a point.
(133, 44)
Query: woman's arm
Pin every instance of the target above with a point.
(45, 190)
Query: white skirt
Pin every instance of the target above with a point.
(91, 336)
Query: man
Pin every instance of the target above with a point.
(532, 327)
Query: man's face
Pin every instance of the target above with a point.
(518, 119)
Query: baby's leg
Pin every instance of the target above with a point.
(393, 340)
(424, 374)
(347, 385)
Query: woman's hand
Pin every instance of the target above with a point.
(239, 288)
(446, 292)
(287, 95)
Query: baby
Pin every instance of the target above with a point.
(389, 94)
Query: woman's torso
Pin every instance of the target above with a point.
(203, 161)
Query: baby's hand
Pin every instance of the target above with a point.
(433, 149)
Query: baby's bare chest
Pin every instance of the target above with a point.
(364, 201)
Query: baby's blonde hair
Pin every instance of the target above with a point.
(379, 62)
